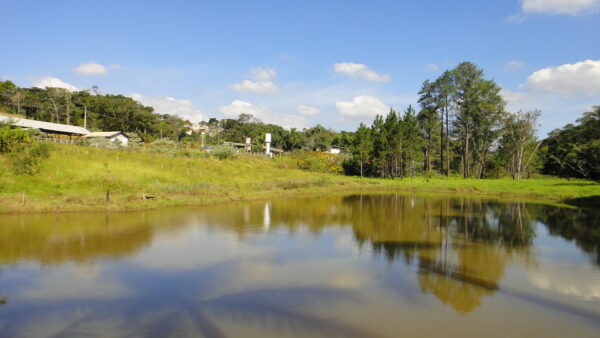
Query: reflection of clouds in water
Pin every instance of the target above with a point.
(67, 282)
(333, 272)
(349, 280)
(193, 248)
(581, 281)
(49, 325)
(344, 241)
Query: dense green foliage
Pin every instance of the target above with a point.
(574, 151)
(237, 130)
(21, 149)
(90, 109)
(462, 128)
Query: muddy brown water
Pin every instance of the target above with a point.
(369, 265)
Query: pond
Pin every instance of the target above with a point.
(358, 265)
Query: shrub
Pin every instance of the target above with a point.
(14, 139)
(163, 146)
(223, 151)
(23, 152)
(318, 161)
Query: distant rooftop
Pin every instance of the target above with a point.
(45, 126)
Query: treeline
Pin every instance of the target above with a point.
(461, 127)
(90, 109)
(237, 130)
(574, 150)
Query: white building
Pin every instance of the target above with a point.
(113, 136)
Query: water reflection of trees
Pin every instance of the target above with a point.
(460, 245)
(574, 224)
(53, 239)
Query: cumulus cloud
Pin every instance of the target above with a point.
(261, 82)
(237, 107)
(308, 110)
(53, 82)
(90, 68)
(430, 68)
(569, 79)
(361, 107)
(169, 105)
(263, 74)
(569, 7)
(515, 65)
(262, 87)
(358, 70)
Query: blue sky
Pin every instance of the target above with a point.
(298, 63)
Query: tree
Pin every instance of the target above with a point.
(362, 146)
(473, 98)
(519, 142)
(411, 138)
(574, 150)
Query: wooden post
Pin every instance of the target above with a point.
(23, 200)
(107, 195)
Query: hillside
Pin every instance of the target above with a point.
(76, 178)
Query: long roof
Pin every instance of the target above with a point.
(44, 126)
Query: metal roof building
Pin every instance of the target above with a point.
(47, 127)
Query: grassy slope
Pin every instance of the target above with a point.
(76, 178)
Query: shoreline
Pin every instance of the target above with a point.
(76, 178)
(134, 202)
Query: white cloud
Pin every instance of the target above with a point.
(90, 68)
(515, 65)
(237, 107)
(569, 79)
(308, 110)
(430, 68)
(570, 7)
(262, 82)
(263, 74)
(262, 87)
(169, 105)
(359, 70)
(361, 107)
(53, 82)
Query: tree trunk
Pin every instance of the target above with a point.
(447, 143)
(442, 143)
(361, 167)
(466, 155)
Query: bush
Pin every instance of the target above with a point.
(223, 151)
(318, 161)
(163, 146)
(24, 153)
(14, 139)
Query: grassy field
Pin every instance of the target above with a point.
(76, 178)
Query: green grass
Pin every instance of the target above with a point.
(76, 178)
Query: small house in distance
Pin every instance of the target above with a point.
(112, 136)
